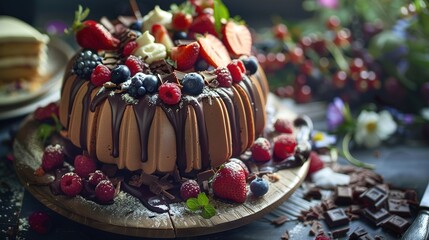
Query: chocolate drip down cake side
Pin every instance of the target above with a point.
(162, 129)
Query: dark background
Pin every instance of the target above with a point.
(38, 12)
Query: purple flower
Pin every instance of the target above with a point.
(335, 114)
(331, 4)
(56, 27)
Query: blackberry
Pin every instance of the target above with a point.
(85, 63)
(136, 88)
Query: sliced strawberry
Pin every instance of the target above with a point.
(185, 55)
(90, 34)
(237, 39)
(181, 21)
(203, 24)
(200, 5)
(161, 35)
(213, 51)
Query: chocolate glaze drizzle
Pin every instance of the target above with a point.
(144, 112)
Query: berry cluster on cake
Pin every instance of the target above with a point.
(164, 108)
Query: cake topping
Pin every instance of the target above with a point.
(161, 36)
(213, 51)
(120, 74)
(224, 77)
(170, 93)
(157, 15)
(237, 70)
(100, 75)
(85, 63)
(185, 56)
(193, 84)
(148, 49)
(91, 34)
(237, 39)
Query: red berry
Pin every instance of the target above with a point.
(284, 146)
(306, 67)
(223, 77)
(100, 75)
(242, 164)
(237, 39)
(213, 51)
(71, 184)
(135, 64)
(322, 236)
(189, 189)
(241, 65)
(283, 125)
(96, 177)
(181, 21)
(280, 31)
(40, 222)
(129, 48)
(315, 163)
(296, 55)
(185, 56)
(339, 79)
(105, 191)
(84, 165)
(53, 157)
(46, 112)
(235, 70)
(261, 150)
(333, 22)
(303, 94)
(357, 65)
(229, 183)
(170, 93)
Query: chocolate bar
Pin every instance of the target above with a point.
(374, 197)
(396, 224)
(357, 233)
(340, 232)
(336, 217)
(344, 195)
(376, 216)
(399, 207)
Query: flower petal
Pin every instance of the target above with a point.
(371, 141)
(386, 125)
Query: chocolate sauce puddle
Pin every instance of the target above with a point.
(155, 203)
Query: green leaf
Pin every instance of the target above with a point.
(202, 199)
(220, 12)
(208, 211)
(192, 204)
(44, 131)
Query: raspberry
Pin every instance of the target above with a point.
(40, 222)
(235, 70)
(129, 48)
(261, 150)
(100, 75)
(322, 236)
(241, 65)
(96, 177)
(283, 125)
(223, 77)
(105, 191)
(43, 113)
(71, 184)
(53, 157)
(284, 146)
(170, 93)
(84, 165)
(135, 64)
(315, 163)
(189, 189)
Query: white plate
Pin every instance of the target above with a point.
(58, 53)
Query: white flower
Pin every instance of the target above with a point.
(425, 113)
(372, 128)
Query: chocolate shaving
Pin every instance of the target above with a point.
(205, 176)
(161, 67)
(285, 235)
(280, 220)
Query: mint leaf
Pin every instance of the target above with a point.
(208, 211)
(45, 131)
(192, 204)
(220, 12)
(203, 200)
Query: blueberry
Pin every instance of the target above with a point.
(259, 187)
(120, 74)
(150, 82)
(201, 65)
(141, 91)
(251, 65)
(180, 35)
(137, 25)
(193, 84)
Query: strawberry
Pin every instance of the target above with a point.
(129, 48)
(181, 21)
(242, 164)
(200, 5)
(203, 24)
(237, 39)
(229, 183)
(161, 35)
(213, 51)
(90, 34)
(185, 55)
(284, 146)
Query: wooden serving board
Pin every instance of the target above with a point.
(128, 216)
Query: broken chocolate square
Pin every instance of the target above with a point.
(344, 195)
(340, 232)
(396, 224)
(376, 216)
(358, 232)
(373, 197)
(336, 217)
(399, 207)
